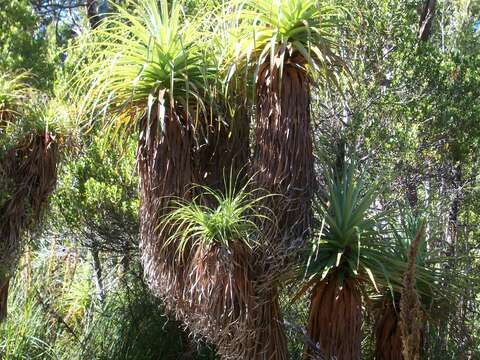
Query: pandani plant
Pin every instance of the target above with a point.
(153, 71)
(219, 240)
(284, 46)
(150, 73)
(31, 131)
(348, 258)
(408, 233)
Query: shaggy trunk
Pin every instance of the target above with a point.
(335, 318)
(270, 341)
(29, 173)
(164, 163)
(222, 151)
(388, 335)
(282, 164)
(283, 159)
(220, 295)
(210, 290)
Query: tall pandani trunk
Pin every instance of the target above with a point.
(282, 164)
(210, 290)
(283, 157)
(165, 169)
(29, 173)
(270, 341)
(388, 335)
(335, 318)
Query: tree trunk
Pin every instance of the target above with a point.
(4, 284)
(270, 339)
(165, 168)
(388, 345)
(335, 319)
(31, 167)
(282, 165)
(283, 157)
(222, 151)
(426, 19)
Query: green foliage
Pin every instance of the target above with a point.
(51, 116)
(213, 218)
(32, 327)
(24, 336)
(131, 326)
(149, 55)
(55, 314)
(13, 91)
(350, 237)
(97, 196)
(24, 111)
(353, 240)
(404, 233)
(409, 108)
(23, 44)
(271, 31)
(296, 314)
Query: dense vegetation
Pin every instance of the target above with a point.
(258, 179)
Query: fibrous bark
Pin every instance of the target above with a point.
(270, 341)
(220, 295)
(29, 172)
(282, 163)
(209, 289)
(165, 169)
(388, 334)
(222, 151)
(335, 318)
